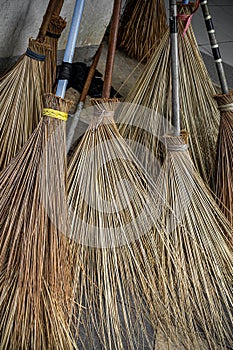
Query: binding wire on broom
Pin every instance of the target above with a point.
(36, 286)
(21, 90)
(199, 112)
(142, 27)
(147, 259)
(223, 167)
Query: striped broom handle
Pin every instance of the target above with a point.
(70, 48)
(174, 67)
(214, 46)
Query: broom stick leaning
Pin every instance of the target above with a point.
(46, 19)
(214, 46)
(111, 49)
(55, 28)
(76, 116)
(174, 67)
(223, 186)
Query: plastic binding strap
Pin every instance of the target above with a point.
(34, 55)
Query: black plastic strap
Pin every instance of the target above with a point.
(216, 53)
(34, 55)
(53, 35)
(209, 24)
(173, 25)
(65, 71)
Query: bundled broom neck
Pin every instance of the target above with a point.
(56, 26)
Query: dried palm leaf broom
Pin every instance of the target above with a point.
(224, 163)
(200, 274)
(35, 271)
(199, 112)
(142, 27)
(21, 90)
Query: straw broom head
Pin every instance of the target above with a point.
(224, 161)
(21, 93)
(199, 112)
(35, 284)
(201, 272)
(122, 280)
(143, 25)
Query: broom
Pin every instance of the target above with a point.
(21, 90)
(201, 272)
(224, 173)
(36, 277)
(56, 26)
(147, 115)
(142, 27)
(109, 305)
(113, 210)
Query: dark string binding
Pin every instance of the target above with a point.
(34, 55)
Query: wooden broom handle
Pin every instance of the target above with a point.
(111, 49)
(91, 74)
(58, 7)
(46, 19)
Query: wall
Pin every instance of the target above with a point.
(21, 19)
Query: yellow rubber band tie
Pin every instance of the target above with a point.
(53, 113)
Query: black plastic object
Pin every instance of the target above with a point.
(78, 77)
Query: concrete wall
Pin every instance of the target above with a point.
(21, 19)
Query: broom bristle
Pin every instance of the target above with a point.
(202, 270)
(224, 162)
(199, 112)
(21, 90)
(143, 25)
(35, 283)
(124, 273)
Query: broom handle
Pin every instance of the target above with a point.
(111, 49)
(70, 48)
(46, 19)
(91, 74)
(58, 7)
(174, 67)
(76, 117)
(214, 46)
